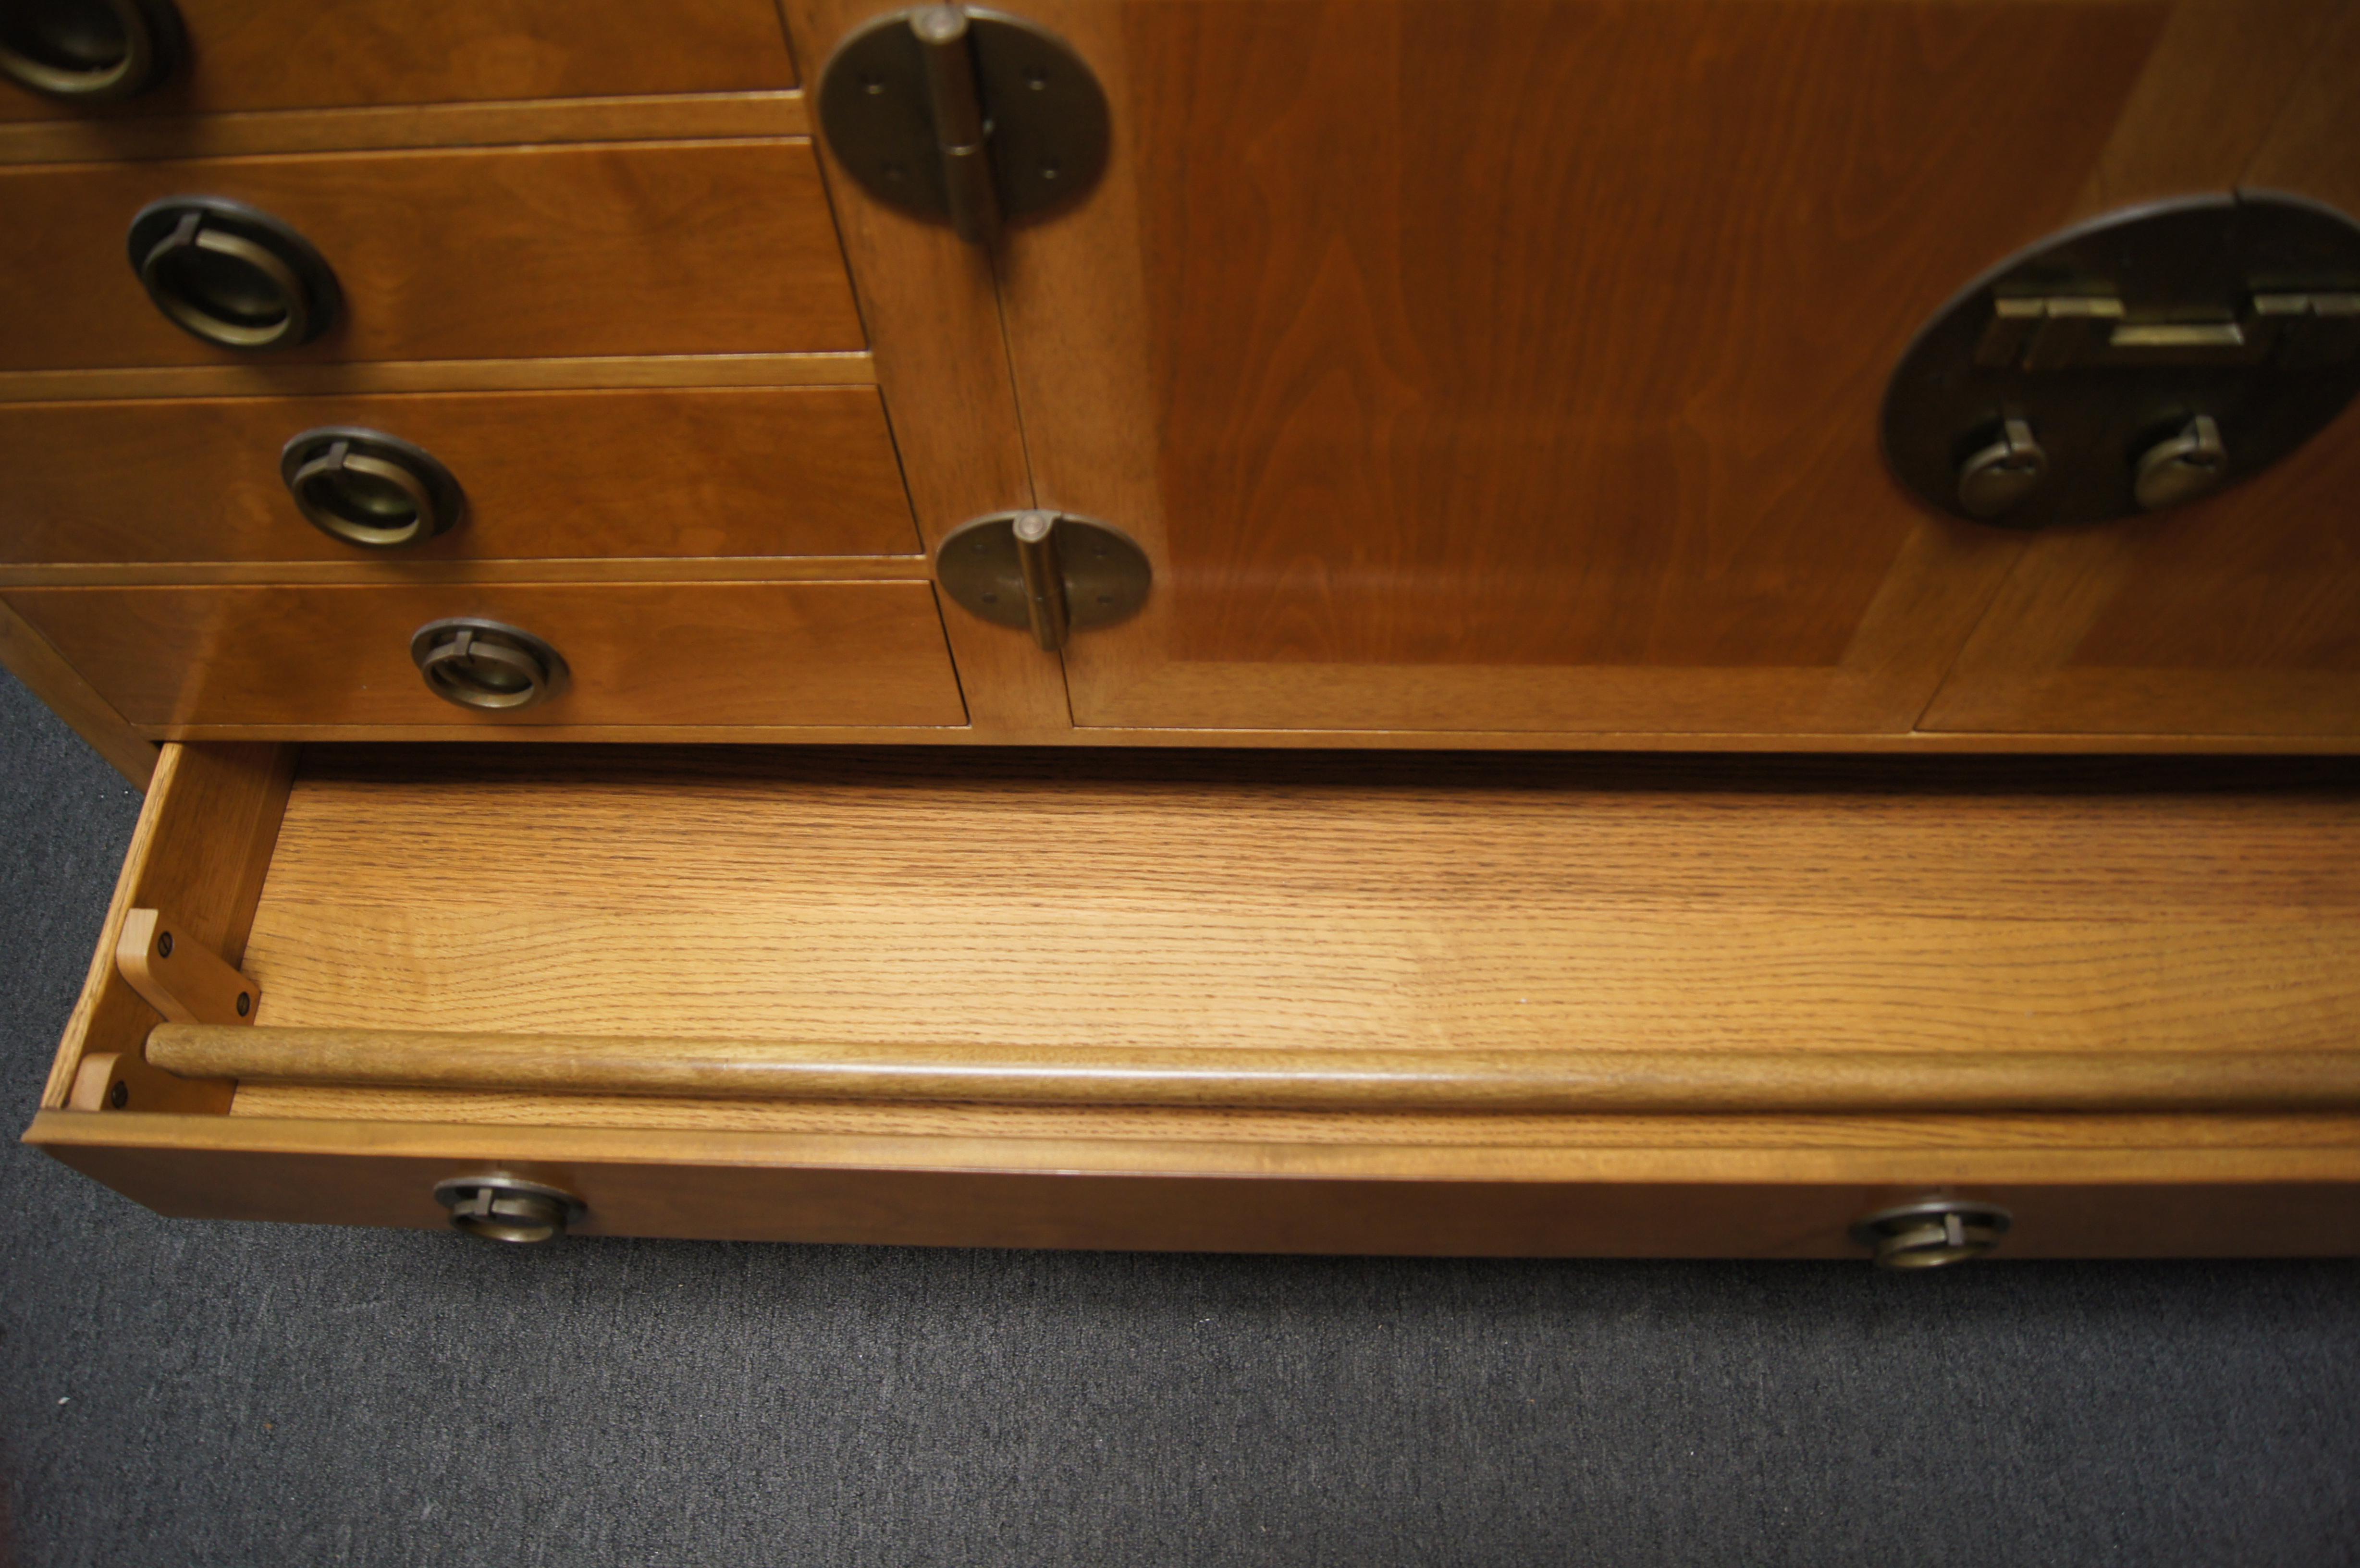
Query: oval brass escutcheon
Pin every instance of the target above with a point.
(1933, 1234)
(2140, 361)
(508, 1209)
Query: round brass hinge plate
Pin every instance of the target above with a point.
(2141, 360)
(891, 118)
(1045, 571)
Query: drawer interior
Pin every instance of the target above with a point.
(1310, 915)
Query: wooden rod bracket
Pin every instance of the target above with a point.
(189, 984)
(184, 980)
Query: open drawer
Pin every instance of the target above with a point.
(1339, 1003)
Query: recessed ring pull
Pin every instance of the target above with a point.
(1934, 1234)
(506, 1209)
(368, 488)
(233, 275)
(89, 51)
(484, 664)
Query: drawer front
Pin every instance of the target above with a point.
(838, 1191)
(780, 471)
(789, 654)
(300, 54)
(610, 248)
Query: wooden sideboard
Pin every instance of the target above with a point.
(1476, 375)
(1497, 374)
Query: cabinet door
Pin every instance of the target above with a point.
(1513, 366)
(2239, 615)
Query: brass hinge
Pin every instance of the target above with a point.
(1044, 571)
(964, 115)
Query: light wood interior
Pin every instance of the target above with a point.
(1113, 904)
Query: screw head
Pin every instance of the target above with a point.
(120, 1095)
(244, 1004)
(164, 945)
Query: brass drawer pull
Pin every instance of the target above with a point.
(232, 273)
(368, 488)
(1934, 1234)
(483, 664)
(90, 52)
(506, 1209)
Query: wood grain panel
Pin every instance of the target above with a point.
(1346, 903)
(1515, 365)
(577, 373)
(730, 472)
(298, 54)
(692, 248)
(705, 117)
(800, 653)
(2239, 615)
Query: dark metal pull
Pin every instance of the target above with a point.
(484, 664)
(90, 52)
(368, 488)
(232, 273)
(1934, 1234)
(964, 115)
(506, 1209)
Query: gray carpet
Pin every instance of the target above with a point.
(183, 1393)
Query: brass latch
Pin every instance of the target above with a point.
(2071, 331)
(959, 115)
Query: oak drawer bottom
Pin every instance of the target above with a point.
(1326, 911)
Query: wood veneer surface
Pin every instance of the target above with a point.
(598, 249)
(713, 473)
(640, 653)
(300, 54)
(1376, 902)
(1516, 365)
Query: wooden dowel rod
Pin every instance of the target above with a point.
(1252, 1078)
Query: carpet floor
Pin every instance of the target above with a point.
(180, 1393)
